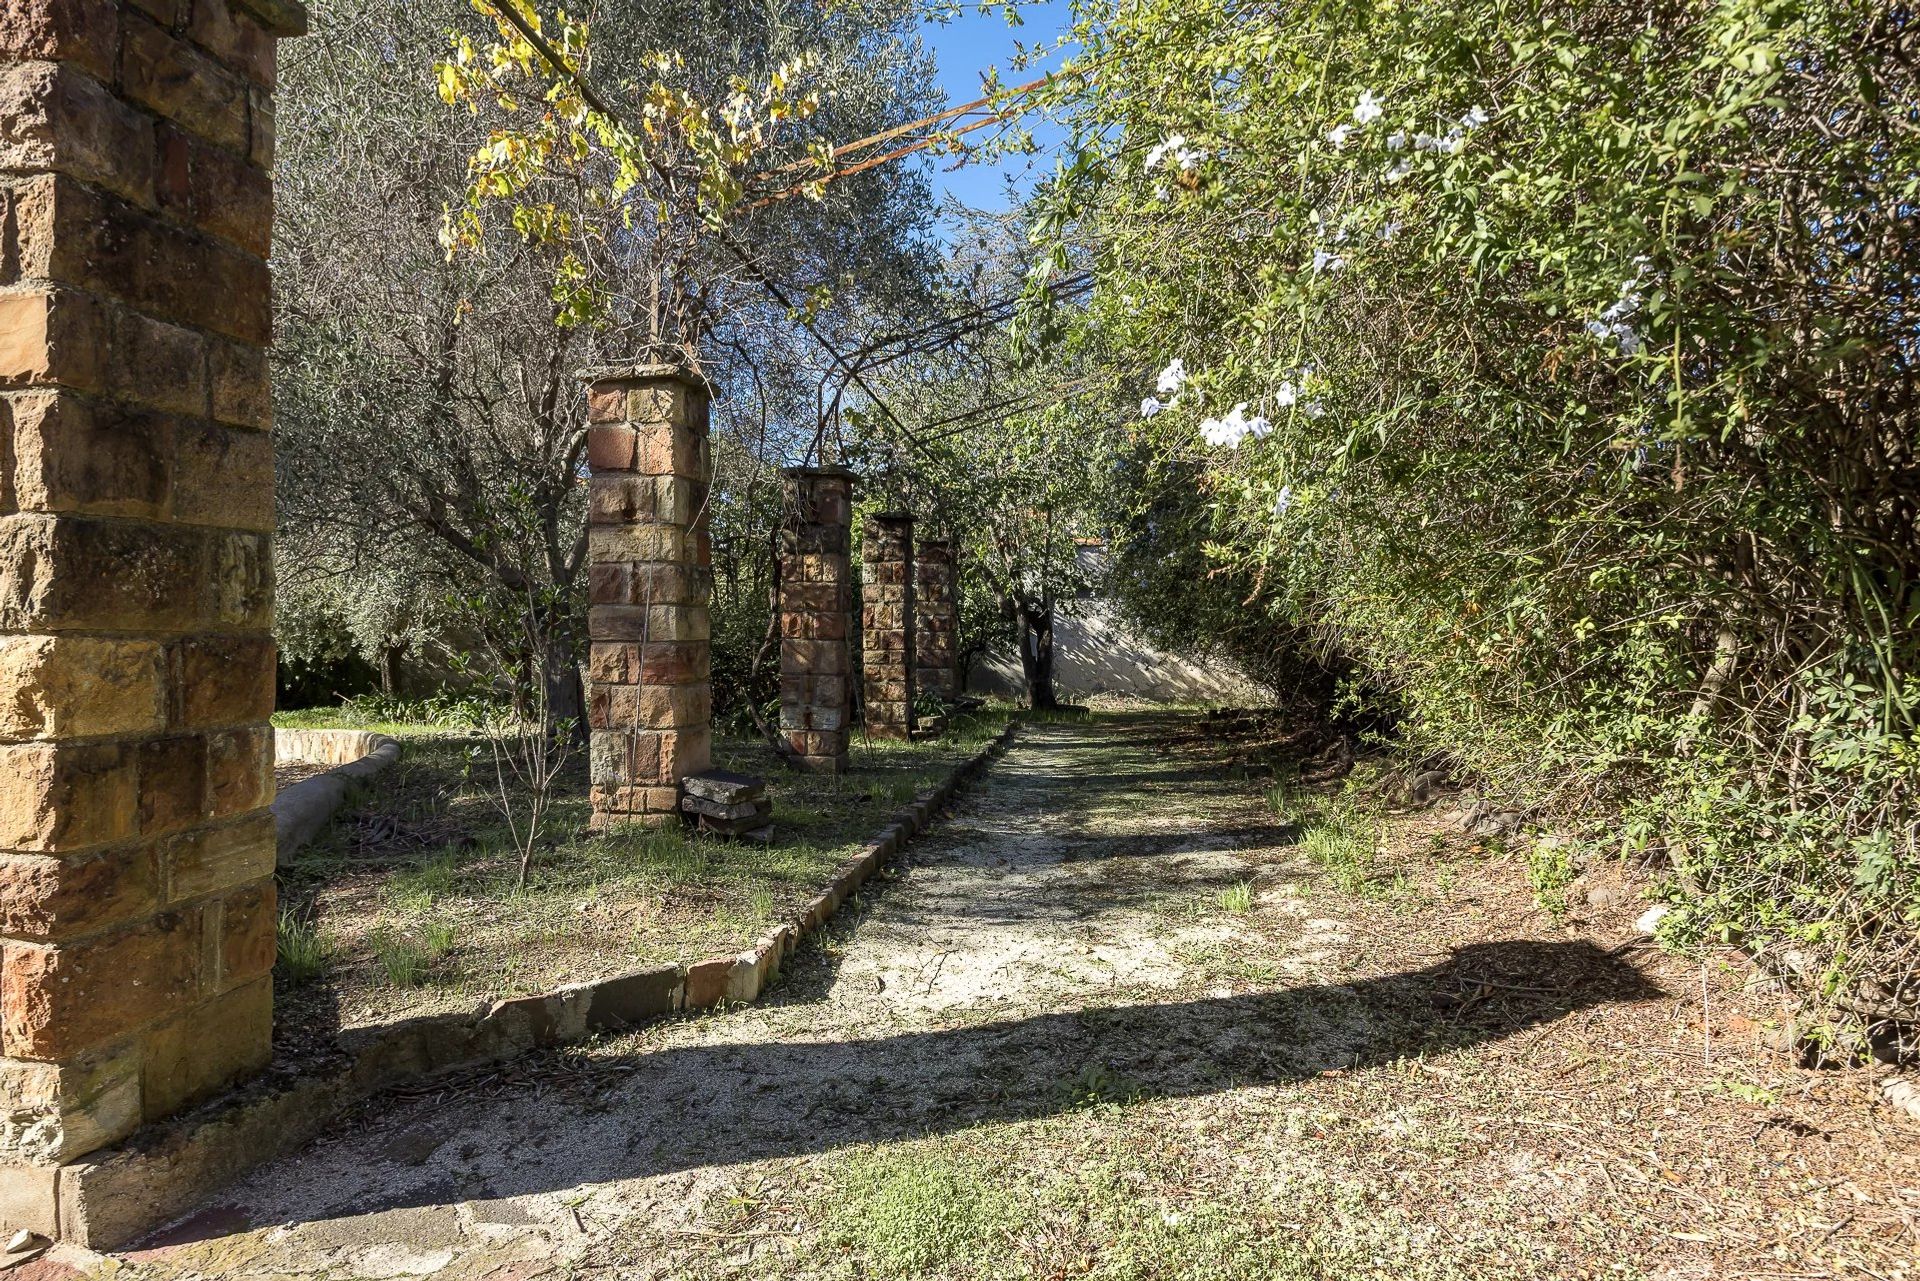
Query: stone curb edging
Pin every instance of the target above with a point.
(300, 811)
(170, 1167)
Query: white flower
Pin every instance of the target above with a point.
(1629, 340)
(1284, 501)
(1599, 328)
(1285, 394)
(1172, 378)
(1325, 260)
(1368, 109)
(1425, 142)
(1455, 142)
(1313, 409)
(1175, 150)
(1149, 407)
(1259, 426)
(1401, 169)
(1389, 230)
(1397, 140)
(1338, 135)
(1233, 429)
(1474, 118)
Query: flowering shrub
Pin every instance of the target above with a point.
(1556, 362)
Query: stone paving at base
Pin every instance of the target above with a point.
(950, 990)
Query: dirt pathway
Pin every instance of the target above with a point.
(1108, 1020)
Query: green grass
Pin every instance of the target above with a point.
(1238, 897)
(911, 1211)
(301, 953)
(412, 959)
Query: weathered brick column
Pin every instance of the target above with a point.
(886, 555)
(136, 589)
(936, 620)
(649, 704)
(816, 614)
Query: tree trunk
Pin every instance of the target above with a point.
(1036, 654)
(390, 656)
(565, 694)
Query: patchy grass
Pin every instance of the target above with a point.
(407, 904)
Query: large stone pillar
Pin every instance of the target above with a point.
(936, 620)
(886, 554)
(136, 590)
(816, 614)
(649, 704)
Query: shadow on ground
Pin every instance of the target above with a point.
(576, 1119)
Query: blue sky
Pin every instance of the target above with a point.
(966, 46)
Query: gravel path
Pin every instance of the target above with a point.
(1059, 1017)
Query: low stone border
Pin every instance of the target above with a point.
(300, 811)
(114, 1196)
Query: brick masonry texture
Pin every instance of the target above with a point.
(649, 575)
(886, 620)
(936, 619)
(136, 518)
(816, 615)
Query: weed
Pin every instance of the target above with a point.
(1098, 1086)
(302, 953)
(410, 961)
(1238, 897)
(1550, 872)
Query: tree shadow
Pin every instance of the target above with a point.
(579, 1119)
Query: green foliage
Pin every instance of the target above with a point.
(1553, 365)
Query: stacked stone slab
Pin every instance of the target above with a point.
(936, 620)
(886, 617)
(727, 804)
(649, 704)
(816, 615)
(136, 588)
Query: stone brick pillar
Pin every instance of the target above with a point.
(136, 587)
(886, 555)
(936, 620)
(816, 614)
(649, 704)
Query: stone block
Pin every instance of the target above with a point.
(611, 448)
(54, 116)
(83, 32)
(724, 787)
(59, 999)
(247, 936)
(78, 686)
(665, 449)
(29, 1199)
(66, 795)
(707, 982)
(239, 390)
(72, 456)
(52, 1111)
(634, 998)
(224, 476)
(674, 662)
(213, 859)
(239, 771)
(185, 85)
(48, 897)
(173, 783)
(216, 681)
(241, 591)
(54, 335)
(234, 36)
(200, 1053)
